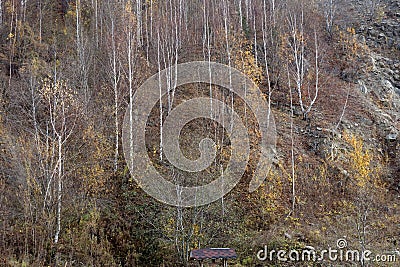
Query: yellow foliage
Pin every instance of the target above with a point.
(345, 206)
(287, 44)
(38, 66)
(94, 175)
(128, 7)
(196, 236)
(169, 227)
(58, 93)
(71, 13)
(360, 160)
(350, 45)
(271, 193)
(242, 56)
(380, 13)
(244, 61)
(129, 14)
(9, 7)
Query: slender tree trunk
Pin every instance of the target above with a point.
(82, 52)
(228, 51)
(316, 89)
(130, 82)
(139, 22)
(292, 213)
(115, 86)
(96, 22)
(240, 15)
(160, 89)
(1, 12)
(59, 189)
(40, 20)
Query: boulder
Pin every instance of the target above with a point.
(391, 137)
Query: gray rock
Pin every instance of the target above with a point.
(363, 87)
(388, 71)
(373, 33)
(391, 137)
(387, 84)
(288, 236)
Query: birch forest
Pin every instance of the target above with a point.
(329, 71)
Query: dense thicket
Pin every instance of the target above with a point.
(68, 72)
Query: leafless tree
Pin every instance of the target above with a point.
(329, 8)
(297, 42)
(372, 7)
(59, 100)
(115, 65)
(1, 12)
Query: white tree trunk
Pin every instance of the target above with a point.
(1, 12)
(59, 189)
(115, 78)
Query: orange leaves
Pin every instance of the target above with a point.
(283, 49)
(360, 160)
(244, 60)
(349, 44)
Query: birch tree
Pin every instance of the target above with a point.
(115, 65)
(83, 51)
(59, 99)
(372, 7)
(1, 12)
(305, 75)
(329, 8)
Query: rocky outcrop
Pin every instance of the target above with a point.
(378, 79)
(382, 34)
(381, 79)
(378, 23)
